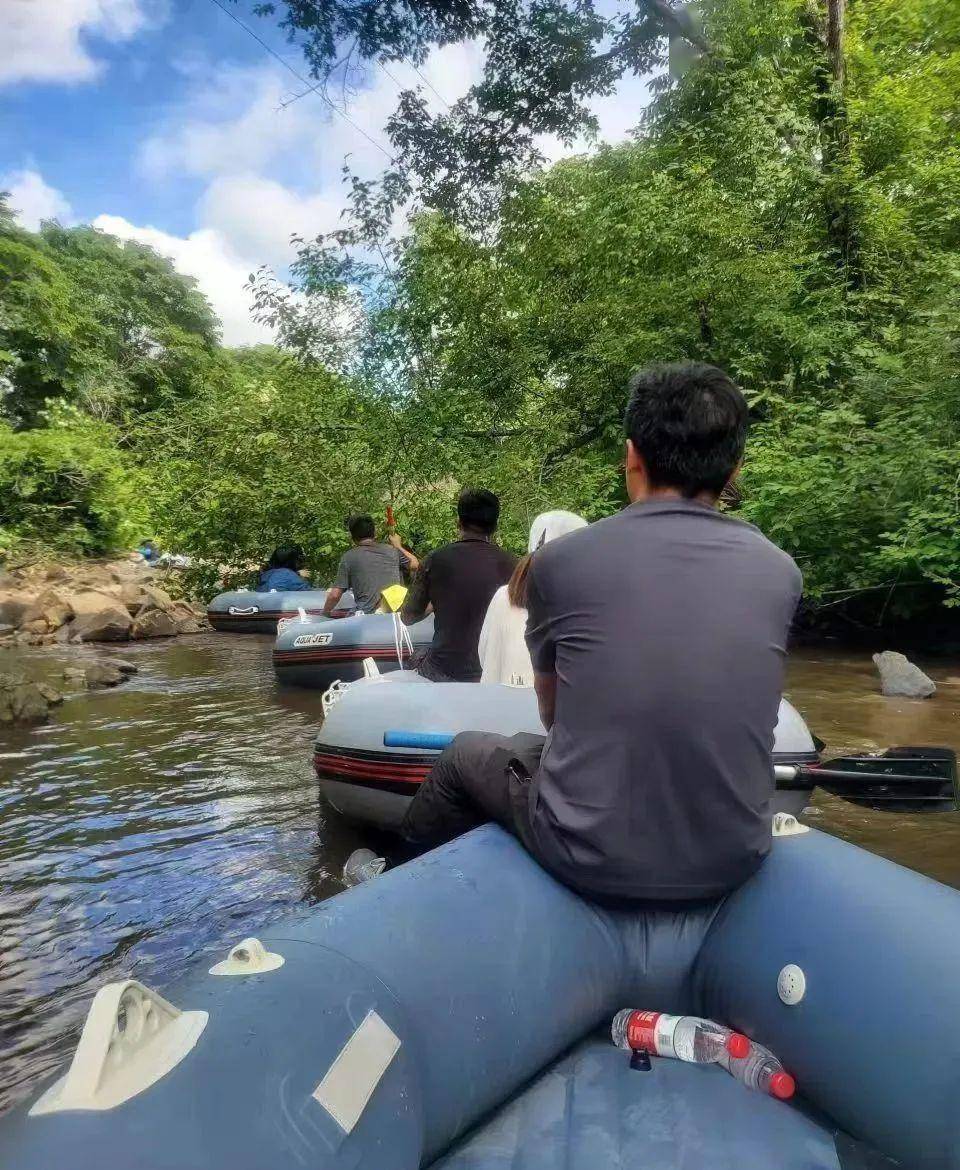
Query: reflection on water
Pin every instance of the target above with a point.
(144, 825)
(839, 696)
(173, 816)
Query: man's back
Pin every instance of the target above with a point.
(666, 627)
(368, 569)
(459, 581)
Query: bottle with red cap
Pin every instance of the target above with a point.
(687, 1038)
(756, 1067)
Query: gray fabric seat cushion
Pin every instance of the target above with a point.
(591, 1111)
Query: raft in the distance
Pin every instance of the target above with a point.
(454, 1014)
(318, 652)
(372, 782)
(246, 611)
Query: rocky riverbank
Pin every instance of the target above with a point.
(101, 601)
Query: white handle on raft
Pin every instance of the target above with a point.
(786, 825)
(131, 1038)
(249, 957)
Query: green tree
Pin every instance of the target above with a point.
(67, 488)
(788, 214)
(88, 319)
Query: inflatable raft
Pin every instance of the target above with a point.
(245, 611)
(454, 1014)
(317, 653)
(372, 781)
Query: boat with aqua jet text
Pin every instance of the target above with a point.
(316, 653)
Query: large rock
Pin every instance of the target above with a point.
(109, 624)
(12, 609)
(132, 596)
(155, 623)
(899, 676)
(121, 664)
(50, 607)
(94, 675)
(63, 635)
(26, 702)
(154, 598)
(92, 601)
(186, 619)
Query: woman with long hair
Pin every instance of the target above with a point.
(503, 652)
(283, 571)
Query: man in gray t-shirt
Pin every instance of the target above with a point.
(368, 568)
(658, 639)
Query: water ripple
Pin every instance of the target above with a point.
(144, 826)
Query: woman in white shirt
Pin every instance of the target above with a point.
(503, 649)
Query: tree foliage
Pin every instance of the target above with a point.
(88, 319)
(66, 488)
(788, 211)
(545, 61)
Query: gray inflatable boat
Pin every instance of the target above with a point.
(373, 782)
(454, 1014)
(318, 652)
(245, 611)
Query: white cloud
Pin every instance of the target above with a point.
(258, 216)
(48, 40)
(204, 135)
(231, 132)
(206, 255)
(32, 199)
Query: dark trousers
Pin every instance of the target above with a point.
(484, 777)
(479, 777)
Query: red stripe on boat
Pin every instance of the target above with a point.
(347, 768)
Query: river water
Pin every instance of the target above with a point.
(146, 826)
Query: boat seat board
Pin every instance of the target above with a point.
(591, 1111)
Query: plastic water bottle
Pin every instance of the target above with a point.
(758, 1069)
(681, 1037)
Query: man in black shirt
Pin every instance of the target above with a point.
(457, 582)
(658, 638)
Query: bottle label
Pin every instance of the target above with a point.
(654, 1031)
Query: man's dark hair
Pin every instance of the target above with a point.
(360, 526)
(478, 510)
(689, 422)
(287, 556)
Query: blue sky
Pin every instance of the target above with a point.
(161, 120)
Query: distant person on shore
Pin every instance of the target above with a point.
(283, 573)
(504, 657)
(456, 583)
(369, 567)
(658, 638)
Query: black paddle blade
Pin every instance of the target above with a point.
(902, 779)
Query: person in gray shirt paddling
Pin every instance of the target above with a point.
(658, 639)
(368, 568)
